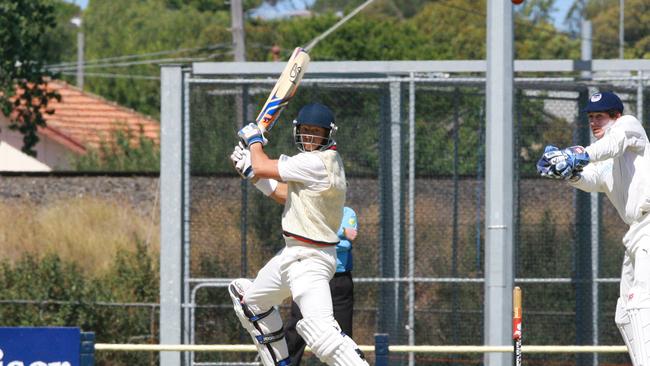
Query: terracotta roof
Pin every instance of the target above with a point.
(83, 120)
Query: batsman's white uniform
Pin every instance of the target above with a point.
(620, 168)
(303, 268)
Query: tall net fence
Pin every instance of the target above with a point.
(418, 261)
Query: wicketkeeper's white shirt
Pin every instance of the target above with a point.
(620, 167)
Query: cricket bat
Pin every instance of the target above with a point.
(284, 89)
(516, 325)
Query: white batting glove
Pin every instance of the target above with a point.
(251, 134)
(241, 161)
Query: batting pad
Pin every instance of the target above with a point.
(329, 344)
(640, 321)
(624, 325)
(265, 329)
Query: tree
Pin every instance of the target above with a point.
(122, 27)
(24, 95)
(605, 24)
(61, 43)
(604, 16)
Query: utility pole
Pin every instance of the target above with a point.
(80, 52)
(239, 48)
(237, 29)
(621, 28)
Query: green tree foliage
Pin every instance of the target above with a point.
(391, 8)
(123, 27)
(604, 16)
(440, 30)
(65, 296)
(123, 152)
(61, 42)
(24, 96)
(386, 30)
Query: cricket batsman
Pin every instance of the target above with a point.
(312, 187)
(617, 164)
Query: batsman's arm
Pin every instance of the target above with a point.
(280, 193)
(263, 166)
(267, 168)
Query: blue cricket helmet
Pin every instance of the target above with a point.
(315, 114)
(604, 102)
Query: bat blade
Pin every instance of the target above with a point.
(284, 89)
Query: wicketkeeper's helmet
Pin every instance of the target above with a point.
(314, 114)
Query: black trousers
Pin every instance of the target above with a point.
(342, 291)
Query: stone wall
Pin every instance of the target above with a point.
(139, 191)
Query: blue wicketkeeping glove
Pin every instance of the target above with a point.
(562, 164)
(576, 158)
(545, 165)
(251, 134)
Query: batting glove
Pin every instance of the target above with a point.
(251, 134)
(241, 161)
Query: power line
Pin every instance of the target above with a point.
(143, 62)
(141, 55)
(114, 76)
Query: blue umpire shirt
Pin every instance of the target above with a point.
(344, 247)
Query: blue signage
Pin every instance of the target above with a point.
(26, 346)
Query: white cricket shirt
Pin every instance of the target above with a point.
(316, 189)
(620, 167)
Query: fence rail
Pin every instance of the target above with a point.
(364, 348)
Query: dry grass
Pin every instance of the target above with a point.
(87, 231)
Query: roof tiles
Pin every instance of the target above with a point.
(84, 120)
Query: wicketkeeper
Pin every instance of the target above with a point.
(617, 164)
(312, 187)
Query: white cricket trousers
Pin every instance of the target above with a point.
(636, 268)
(300, 270)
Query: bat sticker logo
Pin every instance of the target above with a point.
(295, 71)
(267, 117)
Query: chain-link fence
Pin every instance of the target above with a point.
(414, 154)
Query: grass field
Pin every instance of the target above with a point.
(87, 231)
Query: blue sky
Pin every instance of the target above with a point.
(81, 3)
(562, 6)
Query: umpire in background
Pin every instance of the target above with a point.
(341, 287)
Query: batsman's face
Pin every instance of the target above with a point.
(312, 137)
(599, 121)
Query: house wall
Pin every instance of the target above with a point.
(48, 152)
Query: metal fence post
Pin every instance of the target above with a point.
(583, 246)
(392, 204)
(381, 349)
(171, 207)
(87, 354)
